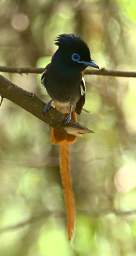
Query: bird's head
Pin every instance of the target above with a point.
(75, 51)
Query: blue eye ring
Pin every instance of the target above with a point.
(75, 57)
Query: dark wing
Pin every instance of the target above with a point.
(44, 77)
(81, 101)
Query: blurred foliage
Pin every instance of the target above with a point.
(103, 163)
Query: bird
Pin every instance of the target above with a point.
(64, 83)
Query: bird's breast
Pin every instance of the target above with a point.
(63, 84)
(63, 107)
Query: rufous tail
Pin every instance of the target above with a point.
(59, 136)
(67, 187)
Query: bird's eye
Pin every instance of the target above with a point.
(75, 57)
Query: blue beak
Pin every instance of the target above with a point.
(92, 64)
(88, 63)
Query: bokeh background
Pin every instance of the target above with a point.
(32, 212)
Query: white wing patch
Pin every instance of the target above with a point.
(43, 76)
(82, 87)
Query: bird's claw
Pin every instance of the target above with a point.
(67, 118)
(47, 107)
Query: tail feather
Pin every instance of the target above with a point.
(59, 135)
(67, 187)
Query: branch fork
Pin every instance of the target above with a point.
(31, 103)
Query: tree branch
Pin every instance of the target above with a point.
(45, 214)
(31, 103)
(29, 221)
(101, 72)
(21, 70)
(105, 72)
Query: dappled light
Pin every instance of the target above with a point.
(103, 163)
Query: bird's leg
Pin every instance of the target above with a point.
(47, 106)
(68, 116)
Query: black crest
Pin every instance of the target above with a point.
(71, 41)
(67, 39)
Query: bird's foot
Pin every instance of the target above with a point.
(67, 118)
(48, 106)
